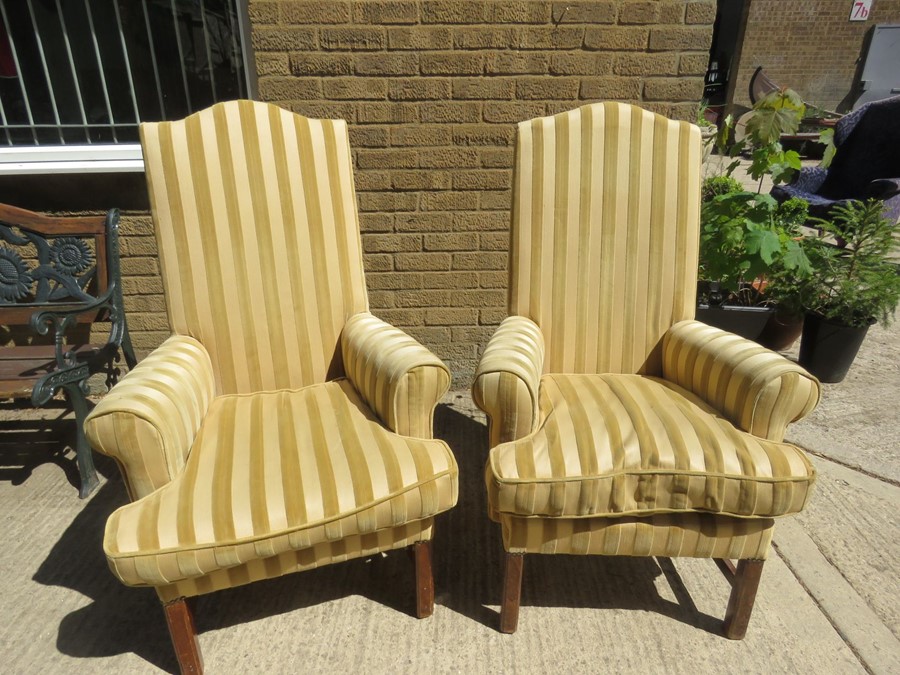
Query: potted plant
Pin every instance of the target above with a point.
(785, 324)
(853, 285)
(748, 242)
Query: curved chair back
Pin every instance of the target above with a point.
(256, 223)
(605, 232)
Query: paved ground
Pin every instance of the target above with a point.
(828, 602)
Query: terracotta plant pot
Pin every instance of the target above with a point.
(781, 331)
(827, 349)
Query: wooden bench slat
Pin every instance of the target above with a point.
(21, 367)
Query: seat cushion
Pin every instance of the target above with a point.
(278, 471)
(613, 445)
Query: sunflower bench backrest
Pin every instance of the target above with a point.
(58, 265)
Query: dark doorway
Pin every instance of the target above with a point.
(724, 55)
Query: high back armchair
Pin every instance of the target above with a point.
(619, 425)
(282, 426)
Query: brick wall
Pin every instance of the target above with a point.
(432, 92)
(808, 45)
(145, 304)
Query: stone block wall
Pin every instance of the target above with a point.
(432, 91)
(808, 45)
(145, 304)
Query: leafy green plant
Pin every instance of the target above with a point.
(773, 115)
(777, 113)
(719, 185)
(826, 138)
(854, 279)
(746, 238)
(749, 244)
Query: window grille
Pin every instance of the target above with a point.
(87, 72)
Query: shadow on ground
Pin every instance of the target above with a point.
(30, 438)
(467, 559)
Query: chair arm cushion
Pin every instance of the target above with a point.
(149, 420)
(883, 188)
(756, 389)
(399, 378)
(507, 380)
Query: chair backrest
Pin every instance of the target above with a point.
(761, 85)
(258, 234)
(605, 234)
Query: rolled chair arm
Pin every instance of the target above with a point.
(507, 380)
(758, 390)
(399, 378)
(883, 188)
(149, 420)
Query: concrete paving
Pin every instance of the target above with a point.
(828, 602)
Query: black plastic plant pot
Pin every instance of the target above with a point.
(827, 349)
(747, 322)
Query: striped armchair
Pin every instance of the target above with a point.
(282, 426)
(618, 424)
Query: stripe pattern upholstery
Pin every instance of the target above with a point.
(758, 390)
(150, 418)
(606, 212)
(507, 379)
(325, 553)
(614, 445)
(682, 535)
(275, 472)
(399, 378)
(258, 237)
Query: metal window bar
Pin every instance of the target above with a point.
(105, 88)
(15, 56)
(187, 93)
(71, 61)
(37, 36)
(134, 103)
(236, 34)
(4, 122)
(211, 39)
(153, 60)
(209, 58)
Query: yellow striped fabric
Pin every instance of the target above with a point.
(150, 418)
(632, 445)
(325, 553)
(606, 213)
(759, 390)
(683, 535)
(508, 378)
(275, 472)
(399, 379)
(256, 223)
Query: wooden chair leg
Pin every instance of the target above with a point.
(184, 636)
(512, 592)
(424, 579)
(743, 595)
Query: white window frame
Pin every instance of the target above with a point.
(47, 159)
